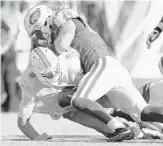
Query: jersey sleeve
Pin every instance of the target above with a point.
(26, 107)
(27, 102)
(62, 16)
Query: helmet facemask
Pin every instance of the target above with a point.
(38, 37)
(45, 37)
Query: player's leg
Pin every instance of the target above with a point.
(152, 93)
(92, 122)
(105, 102)
(127, 94)
(91, 88)
(82, 117)
(64, 101)
(81, 102)
(88, 121)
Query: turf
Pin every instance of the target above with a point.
(64, 133)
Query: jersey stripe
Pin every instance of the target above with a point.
(93, 82)
(91, 79)
(43, 58)
(85, 81)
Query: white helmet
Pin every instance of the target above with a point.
(39, 25)
(43, 63)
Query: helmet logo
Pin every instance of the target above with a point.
(35, 16)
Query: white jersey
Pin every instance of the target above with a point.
(36, 96)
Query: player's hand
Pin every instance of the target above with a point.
(152, 37)
(44, 137)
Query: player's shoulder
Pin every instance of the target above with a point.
(63, 15)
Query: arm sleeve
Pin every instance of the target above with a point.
(26, 107)
(65, 37)
(25, 112)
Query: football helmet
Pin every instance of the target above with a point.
(39, 25)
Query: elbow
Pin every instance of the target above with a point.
(21, 123)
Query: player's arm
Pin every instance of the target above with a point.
(155, 33)
(25, 111)
(75, 70)
(65, 37)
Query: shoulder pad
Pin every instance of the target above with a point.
(64, 15)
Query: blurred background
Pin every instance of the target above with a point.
(124, 26)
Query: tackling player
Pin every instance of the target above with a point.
(61, 28)
(50, 76)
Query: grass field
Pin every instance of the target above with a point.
(64, 133)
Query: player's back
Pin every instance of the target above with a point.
(89, 44)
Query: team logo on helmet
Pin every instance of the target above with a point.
(35, 16)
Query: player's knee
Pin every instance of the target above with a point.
(149, 113)
(145, 113)
(78, 103)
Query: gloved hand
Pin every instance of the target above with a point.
(152, 37)
(44, 137)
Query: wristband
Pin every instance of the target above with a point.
(158, 29)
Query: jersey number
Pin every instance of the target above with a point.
(67, 15)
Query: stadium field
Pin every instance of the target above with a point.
(64, 133)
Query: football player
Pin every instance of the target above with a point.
(152, 92)
(50, 76)
(103, 74)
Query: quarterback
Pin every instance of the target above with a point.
(45, 85)
(61, 28)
